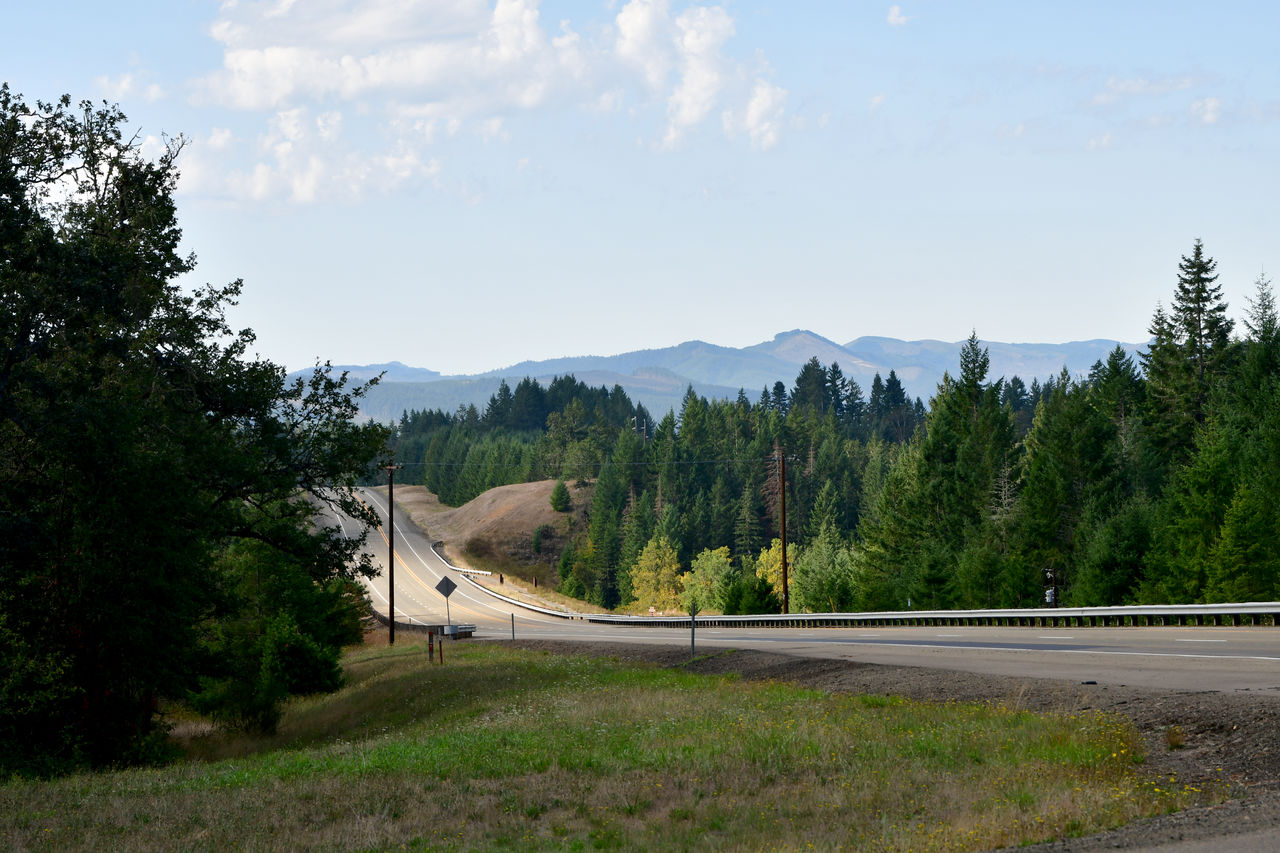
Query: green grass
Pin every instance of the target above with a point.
(501, 749)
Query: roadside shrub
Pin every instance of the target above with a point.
(539, 534)
(560, 500)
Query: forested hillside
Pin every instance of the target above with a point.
(1143, 480)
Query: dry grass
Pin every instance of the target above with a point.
(495, 531)
(508, 750)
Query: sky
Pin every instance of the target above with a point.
(466, 184)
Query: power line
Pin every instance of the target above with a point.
(753, 460)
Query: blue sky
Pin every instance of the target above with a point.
(464, 184)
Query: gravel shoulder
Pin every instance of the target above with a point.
(1225, 737)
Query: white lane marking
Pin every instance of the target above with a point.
(1181, 640)
(1055, 638)
(606, 636)
(434, 572)
(438, 572)
(896, 644)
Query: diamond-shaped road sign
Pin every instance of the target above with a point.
(446, 586)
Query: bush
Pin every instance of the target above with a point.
(749, 595)
(560, 500)
(541, 533)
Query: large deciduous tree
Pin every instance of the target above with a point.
(159, 491)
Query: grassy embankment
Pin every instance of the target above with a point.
(501, 749)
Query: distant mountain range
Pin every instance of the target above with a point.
(658, 378)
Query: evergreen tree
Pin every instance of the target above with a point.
(823, 577)
(778, 401)
(1070, 465)
(528, 406)
(560, 500)
(898, 419)
(1119, 391)
(810, 392)
(853, 415)
(1200, 313)
(497, 413)
(1016, 397)
(1218, 539)
(747, 535)
(837, 391)
(604, 535)
(886, 566)
(969, 442)
(1113, 552)
(1187, 356)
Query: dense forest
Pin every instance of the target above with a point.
(1146, 481)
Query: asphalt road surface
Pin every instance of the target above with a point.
(1180, 658)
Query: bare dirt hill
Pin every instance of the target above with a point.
(497, 530)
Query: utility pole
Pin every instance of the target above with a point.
(391, 552)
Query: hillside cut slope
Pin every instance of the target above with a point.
(496, 531)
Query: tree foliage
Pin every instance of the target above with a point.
(159, 489)
(655, 579)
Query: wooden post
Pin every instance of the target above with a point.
(391, 554)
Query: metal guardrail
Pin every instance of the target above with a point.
(1148, 615)
(1248, 613)
(515, 602)
(459, 569)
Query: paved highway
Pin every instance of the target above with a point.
(1196, 659)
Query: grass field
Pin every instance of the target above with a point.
(501, 749)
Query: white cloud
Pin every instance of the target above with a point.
(607, 102)
(645, 39)
(875, 103)
(506, 60)
(1118, 87)
(329, 125)
(417, 73)
(762, 120)
(219, 138)
(896, 18)
(1208, 110)
(700, 33)
(299, 159)
(491, 130)
(116, 89)
(1099, 142)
